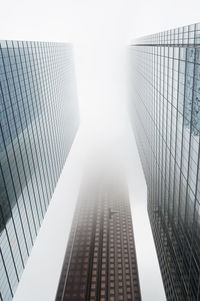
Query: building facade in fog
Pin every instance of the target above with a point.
(100, 260)
(38, 121)
(165, 109)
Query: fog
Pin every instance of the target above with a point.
(100, 32)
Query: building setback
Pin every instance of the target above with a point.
(38, 121)
(165, 110)
(100, 261)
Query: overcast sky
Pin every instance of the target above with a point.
(100, 31)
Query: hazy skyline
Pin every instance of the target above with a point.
(100, 32)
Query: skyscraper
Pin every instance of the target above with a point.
(38, 121)
(165, 109)
(100, 261)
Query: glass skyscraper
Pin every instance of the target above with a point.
(165, 110)
(38, 122)
(100, 261)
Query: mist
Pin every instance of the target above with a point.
(100, 32)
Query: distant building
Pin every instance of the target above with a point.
(165, 111)
(100, 261)
(38, 121)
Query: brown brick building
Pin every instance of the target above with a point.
(100, 262)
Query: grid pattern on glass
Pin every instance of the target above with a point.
(38, 121)
(183, 36)
(100, 261)
(166, 120)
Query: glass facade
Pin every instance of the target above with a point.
(38, 121)
(165, 110)
(100, 261)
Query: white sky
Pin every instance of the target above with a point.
(100, 31)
